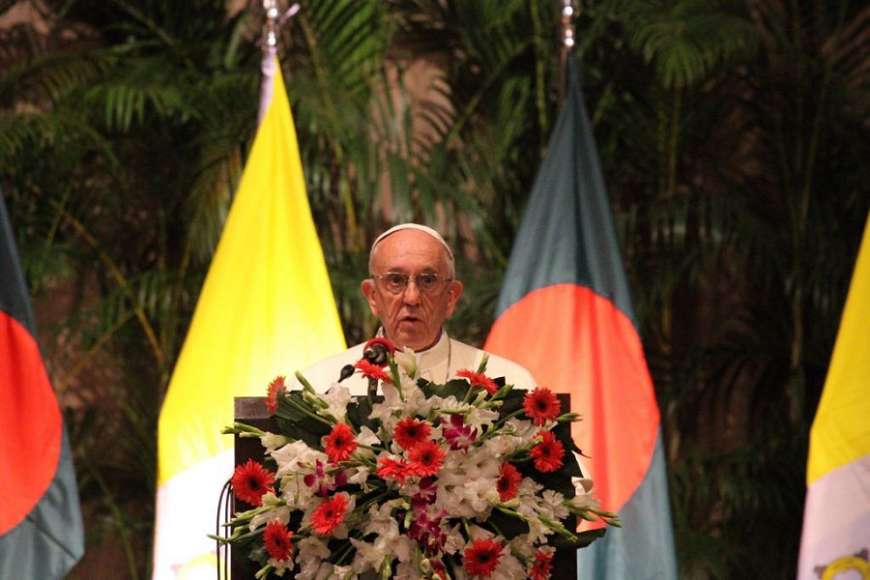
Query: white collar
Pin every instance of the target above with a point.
(435, 354)
(433, 357)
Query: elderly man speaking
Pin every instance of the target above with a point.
(412, 289)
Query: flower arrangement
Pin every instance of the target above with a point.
(469, 479)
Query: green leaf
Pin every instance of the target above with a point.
(583, 539)
(358, 412)
(508, 525)
(456, 388)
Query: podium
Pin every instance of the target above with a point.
(252, 410)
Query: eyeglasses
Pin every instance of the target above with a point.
(396, 282)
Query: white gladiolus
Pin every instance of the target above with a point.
(480, 417)
(523, 546)
(508, 568)
(278, 511)
(523, 430)
(552, 506)
(271, 441)
(295, 456)
(450, 405)
(407, 361)
(367, 437)
(358, 475)
(369, 553)
(343, 573)
(337, 398)
(312, 551)
(583, 502)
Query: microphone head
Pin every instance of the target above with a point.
(346, 371)
(376, 354)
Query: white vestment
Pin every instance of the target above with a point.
(437, 364)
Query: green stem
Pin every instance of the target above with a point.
(307, 412)
(494, 429)
(243, 429)
(345, 552)
(364, 506)
(304, 382)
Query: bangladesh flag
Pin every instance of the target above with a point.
(565, 314)
(40, 522)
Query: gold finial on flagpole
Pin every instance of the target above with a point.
(569, 11)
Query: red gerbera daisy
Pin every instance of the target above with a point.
(410, 432)
(340, 443)
(426, 458)
(329, 514)
(389, 468)
(508, 483)
(278, 540)
(276, 389)
(479, 380)
(371, 371)
(542, 566)
(541, 405)
(481, 557)
(250, 481)
(548, 453)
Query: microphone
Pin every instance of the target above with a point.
(346, 371)
(376, 354)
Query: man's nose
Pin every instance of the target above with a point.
(411, 295)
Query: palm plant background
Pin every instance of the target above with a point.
(732, 134)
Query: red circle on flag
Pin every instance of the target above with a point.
(575, 341)
(30, 424)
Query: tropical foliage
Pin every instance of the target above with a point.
(733, 135)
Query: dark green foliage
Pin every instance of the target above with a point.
(298, 425)
(456, 388)
(359, 412)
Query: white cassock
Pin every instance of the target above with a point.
(437, 364)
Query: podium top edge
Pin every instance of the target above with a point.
(250, 408)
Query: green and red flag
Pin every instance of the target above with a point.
(565, 313)
(40, 520)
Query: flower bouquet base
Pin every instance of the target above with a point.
(253, 411)
(470, 479)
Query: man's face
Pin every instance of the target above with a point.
(411, 317)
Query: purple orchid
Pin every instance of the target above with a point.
(458, 434)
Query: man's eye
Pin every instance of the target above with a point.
(427, 280)
(395, 280)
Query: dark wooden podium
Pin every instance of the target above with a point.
(252, 410)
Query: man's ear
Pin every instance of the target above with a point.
(368, 290)
(454, 293)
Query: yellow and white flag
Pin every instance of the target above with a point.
(266, 308)
(836, 532)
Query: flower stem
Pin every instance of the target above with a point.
(301, 408)
(495, 426)
(243, 430)
(304, 382)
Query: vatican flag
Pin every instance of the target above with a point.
(836, 533)
(266, 308)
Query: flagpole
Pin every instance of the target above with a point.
(568, 12)
(269, 43)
